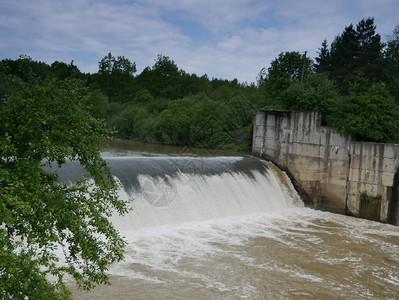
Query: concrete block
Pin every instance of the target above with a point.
(270, 153)
(371, 177)
(391, 151)
(338, 139)
(356, 161)
(271, 140)
(364, 162)
(260, 118)
(285, 134)
(298, 136)
(387, 178)
(384, 210)
(338, 152)
(370, 189)
(272, 130)
(341, 166)
(257, 146)
(338, 167)
(271, 120)
(353, 205)
(303, 163)
(299, 121)
(307, 150)
(336, 191)
(389, 165)
(337, 181)
(367, 149)
(366, 176)
(360, 148)
(285, 123)
(316, 138)
(311, 176)
(257, 136)
(297, 149)
(353, 174)
(363, 148)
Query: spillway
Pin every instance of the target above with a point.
(173, 190)
(234, 228)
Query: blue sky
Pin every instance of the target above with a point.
(221, 38)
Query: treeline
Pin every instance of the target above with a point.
(161, 104)
(353, 82)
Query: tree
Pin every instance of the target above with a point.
(317, 93)
(356, 51)
(97, 103)
(110, 65)
(143, 96)
(369, 59)
(285, 69)
(391, 56)
(210, 124)
(162, 80)
(343, 54)
(24, 66)
(135, 121)
(174, 122)
(115, 77)
(44, 124)
(62, 70)
(367, 113)
(322, 62)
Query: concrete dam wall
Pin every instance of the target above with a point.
(330, 170)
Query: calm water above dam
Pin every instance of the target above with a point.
(227, 227)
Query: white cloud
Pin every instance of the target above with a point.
(238, 37)
(231, 43)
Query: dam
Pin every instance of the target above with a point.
(233, 227)
(332, 171)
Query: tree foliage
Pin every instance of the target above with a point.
(114, 78)
(174, 122)
(210, 124)
(358, 73)
(368, 113)
(97, 104)
(357, 50)
(287, 68)
(315, 93)
(391, 56)
(44, 124)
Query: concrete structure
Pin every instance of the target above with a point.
(330, 171)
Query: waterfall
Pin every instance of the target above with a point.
(171, 190)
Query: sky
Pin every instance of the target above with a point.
(225, 39)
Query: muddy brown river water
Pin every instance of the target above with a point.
(224, 228)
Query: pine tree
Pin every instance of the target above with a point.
(343, 56)
(391, 57)
(323, 61)
(369, 59)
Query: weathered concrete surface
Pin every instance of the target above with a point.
(329, 169)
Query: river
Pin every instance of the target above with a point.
(223, 226)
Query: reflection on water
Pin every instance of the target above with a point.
(297, 253)
(126, 147)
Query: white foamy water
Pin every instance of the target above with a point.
(190, 197)
(243, 235)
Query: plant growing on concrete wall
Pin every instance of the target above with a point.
(369, 198)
